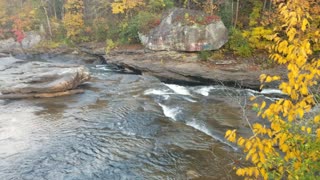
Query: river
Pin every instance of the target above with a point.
(125, 126)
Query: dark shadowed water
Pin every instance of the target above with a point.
(124, 126)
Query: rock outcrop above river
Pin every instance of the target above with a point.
(182, 68)
(186, 30)
(10, 45)
(25, 79)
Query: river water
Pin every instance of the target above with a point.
(125, 126)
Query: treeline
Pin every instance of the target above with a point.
(250, 21)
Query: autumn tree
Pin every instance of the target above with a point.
(73, 18)
(288, 146)
(120, 6)
(16, 17)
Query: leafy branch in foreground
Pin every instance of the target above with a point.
(288, 145)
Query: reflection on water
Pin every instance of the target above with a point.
(124, 126)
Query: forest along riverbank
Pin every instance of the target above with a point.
(123, 126)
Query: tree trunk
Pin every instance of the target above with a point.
(232, 13)
(264, 5)
(55, 10)
(48, 20)
(237, 13)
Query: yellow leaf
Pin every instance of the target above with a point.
(297, 165)
(317, 119)
(250, 171)
(250, 153)
(256, 172)
(264, 174)
(262, 77)
(318, 133)
(228, 133)
(255, 158)
(284, 147)
(263, 105)
(275, 78)
(275, 127)
(231, 135)
(308, 130)
(300, 112)
(262, 157)
(268, 79)
(252, 98)
(288, 89)
(248, 145)
(304, 24)
(240, 172)
(241, 141)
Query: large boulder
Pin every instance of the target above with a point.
(20, 78)
(30, 40)
(186, 30)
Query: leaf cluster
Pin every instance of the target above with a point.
(288, 146)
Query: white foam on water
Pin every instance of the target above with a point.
(170, 112)
(189, 99)
(179, 89)
(199, 127)
(252, 91)
(271, 91)
(156, 92)
(205, 90)
(166, 97)
(265, 91)
(205, 130)
(103, 67)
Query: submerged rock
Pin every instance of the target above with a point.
(21, 79)
(187, 30)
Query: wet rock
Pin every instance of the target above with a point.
(10, 45)
(21, 79)
(4, 55)
(192, 174)
(187, 30)
(174, 67)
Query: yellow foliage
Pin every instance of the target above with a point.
(288, 147)
(120, 6)
(257, 37)
(73, 18)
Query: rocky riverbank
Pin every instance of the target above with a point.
(169, 66)
(29, 79)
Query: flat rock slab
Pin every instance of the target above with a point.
(21, 78)
(174, 67)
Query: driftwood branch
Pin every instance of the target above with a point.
(41, 95)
